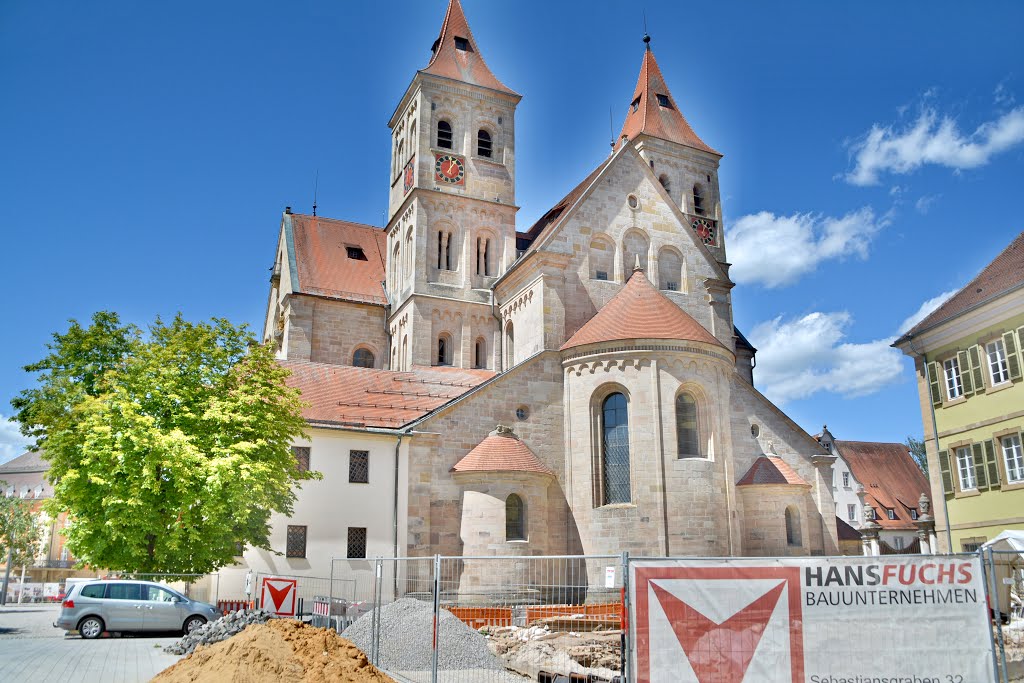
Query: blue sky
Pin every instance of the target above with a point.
(874, 154)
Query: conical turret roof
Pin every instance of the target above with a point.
(457, 56)
(639, 311)
(654, 111)
(501, 451)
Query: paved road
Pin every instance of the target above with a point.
(31, 649)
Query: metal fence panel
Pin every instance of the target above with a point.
(1005, 578)
(306, 590)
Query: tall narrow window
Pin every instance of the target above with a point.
(444, 350)
(295, 541)
(998, 370)
(1014, 459)
(444, 134)
(851, 512)
(615, 450)
(406, 360)
(301, 454)
(483, 143)
(356, 548)
(480, 353)
(698, 200)
(965, 468)
(483, 256)
(663, 179)
(954, 388)
(444, 250)
(359, 467)
(487, 257)
(515, 519)
(792, 527)
(687, 435)
(510, 344)
(363, 358)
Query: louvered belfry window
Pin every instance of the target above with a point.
(483, 143)
(615, 450)
(444, 134)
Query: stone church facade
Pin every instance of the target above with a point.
(573, 387)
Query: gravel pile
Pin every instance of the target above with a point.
(406, 634)
(216, 631)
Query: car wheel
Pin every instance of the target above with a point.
(192, 623)
(91, 628)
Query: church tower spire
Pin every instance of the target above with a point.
(456, 55)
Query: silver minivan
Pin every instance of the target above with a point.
(121, 605)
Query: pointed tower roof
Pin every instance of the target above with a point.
(456, 55)
(653, 110)
(639, 311)
(501, 451)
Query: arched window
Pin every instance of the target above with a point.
(445, 251)
(515, 519)
(444, 350)
(510, 343)
(670, 270)
(483, 256)
(602, 258)
(406, 361)
(444, 135)
(396, 268)
(480, 353)
(615, 450)
(634, 244)
(483, 143)
(687, 433)
(363, 358)
(394, 358)
(698, 200)
(792, 527)
(663, 179)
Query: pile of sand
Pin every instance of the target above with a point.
(281, 649)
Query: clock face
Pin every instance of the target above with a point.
(410, 174)
(450, 169)
(706, 231)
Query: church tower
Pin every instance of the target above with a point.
(451, 209)
(685, 165)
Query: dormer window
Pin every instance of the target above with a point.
(355, 253)
(664, 101)
(444, 134)
(462, 44)
(635, 104)
(483, 143)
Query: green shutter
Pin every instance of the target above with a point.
(947, 477)
(977, 371)
(978, 455)
(1010, 344)
(963, 362)
(933, 376)
(992, 464)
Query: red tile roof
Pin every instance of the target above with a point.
(322, 264)
(639, 311)
(667, 123)
(771, 469)
(1004, 273)
(362, 397)
(501, 451)
(467, 66)
(891, 479)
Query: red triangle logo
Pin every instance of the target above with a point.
(278, 595)
(719, 652)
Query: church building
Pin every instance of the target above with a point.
(576, 386)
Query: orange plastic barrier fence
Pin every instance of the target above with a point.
(477, 617)
(226, 606)
(603, 612)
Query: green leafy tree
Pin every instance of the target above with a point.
(19, 530)
(918, 453)
(165, 449)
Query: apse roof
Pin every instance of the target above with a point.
(501, 451)
(639, 311)
(771, 469)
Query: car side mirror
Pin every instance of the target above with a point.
(175, 599)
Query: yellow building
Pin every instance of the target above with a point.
(968, 358)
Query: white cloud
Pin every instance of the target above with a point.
(932, 139)
(778, 250)
(798, 358)
(12, 443)
(926, 308)
(924, 203)
(1003, 96)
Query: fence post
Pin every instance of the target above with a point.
(437, 614)
(988, 603)
(998, 613)
(624, 620)
(330, 599)
(375, 614)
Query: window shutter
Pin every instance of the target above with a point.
(933, 376)
(947, 477)
(964, 363)
(992, 464)
(1010, 344)
(977, 372)
(979, 466)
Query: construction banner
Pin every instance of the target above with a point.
(891, 619)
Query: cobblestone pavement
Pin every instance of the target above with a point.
(31, 649)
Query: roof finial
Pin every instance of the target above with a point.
(316, 187)
(637, 265)
(647, 37)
